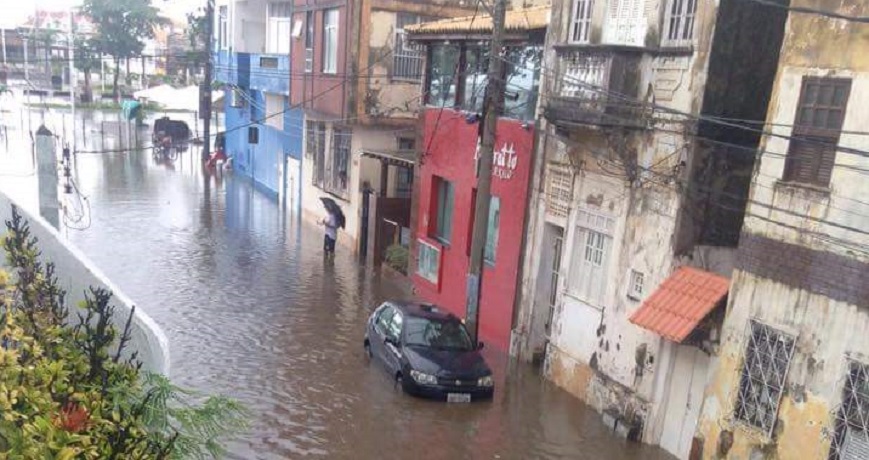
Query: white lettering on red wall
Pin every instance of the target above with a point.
(504, 161)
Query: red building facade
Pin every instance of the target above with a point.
(445, 217)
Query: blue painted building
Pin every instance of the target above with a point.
(263, 136)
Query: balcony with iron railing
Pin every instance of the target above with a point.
(596, 86)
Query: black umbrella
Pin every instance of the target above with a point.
(333, 208)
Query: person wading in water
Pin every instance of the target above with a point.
(331, 224)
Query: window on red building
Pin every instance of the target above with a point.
(309, 41)
(330, 41)
(443, 228)
(492, 230)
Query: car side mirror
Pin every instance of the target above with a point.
(480, 345)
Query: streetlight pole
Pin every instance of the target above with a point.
(491, 110)
(205, 93)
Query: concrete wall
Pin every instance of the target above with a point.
(75, 274)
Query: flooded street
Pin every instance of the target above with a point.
(253, 310)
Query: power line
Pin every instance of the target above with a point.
(631, 102)
(813, 11)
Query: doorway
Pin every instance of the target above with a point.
(546, 292)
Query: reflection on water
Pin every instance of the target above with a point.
(253, 310)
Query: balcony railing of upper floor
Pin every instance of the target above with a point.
(262, 72)
(596, 86)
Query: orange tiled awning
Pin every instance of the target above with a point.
(681, 302)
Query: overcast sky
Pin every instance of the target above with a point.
(17, 11)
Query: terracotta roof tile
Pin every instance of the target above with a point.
(681, 302)
(518, 20)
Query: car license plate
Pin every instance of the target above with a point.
(458, 397)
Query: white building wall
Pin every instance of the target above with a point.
(75, 273)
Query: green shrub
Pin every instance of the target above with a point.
(397, 258)
(66, 390)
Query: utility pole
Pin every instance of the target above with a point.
(491, 110)
(205, 92)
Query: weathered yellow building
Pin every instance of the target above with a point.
(792, 379)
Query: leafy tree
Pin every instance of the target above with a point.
(68, 391)
(122, 26)
(196, 34)
(87, 59)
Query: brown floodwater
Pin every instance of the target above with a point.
(252, 310)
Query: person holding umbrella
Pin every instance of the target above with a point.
(334, 219)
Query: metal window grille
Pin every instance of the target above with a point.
(316, 149)
(851, 434)
(679, 22)
(580, 25)
(764, 375)
(559, 190)
(339, 165)
(407, 56)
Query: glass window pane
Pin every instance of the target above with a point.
(523, 77)
(442, 79)
(492, 229)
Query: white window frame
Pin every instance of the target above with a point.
(679, 23)
(331, 21)
(590, 255)
(223, 27)
(428, 261)
(625, 23)
(580, 21)
(279, 28)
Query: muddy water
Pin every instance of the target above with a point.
(254, 311)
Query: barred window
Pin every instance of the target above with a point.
(679, 22)
(339, 168)
(316, 149)
(580, 24)
(764, 374)
(851, 434)
(559, 190)
(407, 57)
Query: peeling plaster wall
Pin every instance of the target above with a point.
(594, 351)
(828, 331)
(387, 96)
